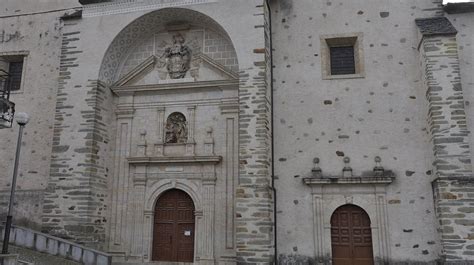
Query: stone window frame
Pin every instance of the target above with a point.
(25, 55)
(338, 40)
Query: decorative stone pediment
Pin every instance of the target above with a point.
(203, 68)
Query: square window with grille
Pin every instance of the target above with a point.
(342, 60)
(13, 65)
(342, 56)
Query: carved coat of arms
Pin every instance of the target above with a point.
(177, 58)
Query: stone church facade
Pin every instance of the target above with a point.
(245, 131)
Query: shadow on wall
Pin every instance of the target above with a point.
(286, 6)
(295, 259)
(26, 210)
(86, 2)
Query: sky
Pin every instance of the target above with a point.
(456, 1)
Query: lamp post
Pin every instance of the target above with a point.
(22, 119)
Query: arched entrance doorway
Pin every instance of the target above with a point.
(173, 231)
(351, 236)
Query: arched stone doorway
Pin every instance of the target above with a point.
(174, 227)
(351, 236)
(180, 154)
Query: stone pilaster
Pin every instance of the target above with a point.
(209, 187)
(254, 194)
(136, 241)
(191, 143)
(160, 131)
(450, 137)
(121, 171)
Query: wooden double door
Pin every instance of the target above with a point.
(351, 236)
(174, 227)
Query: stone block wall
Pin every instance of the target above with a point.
(254, 195)
(219, 49)
(78, 185)
(453, 184)
(32, 31)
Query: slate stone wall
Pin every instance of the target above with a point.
(254, 195)
(77, 186)
(37, 36)
(453, 185)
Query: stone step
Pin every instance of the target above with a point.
(57, 247)
(153, 263)
(31, 257)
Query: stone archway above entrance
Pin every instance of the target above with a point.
(330, 195)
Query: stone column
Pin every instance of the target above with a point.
(449, 137)
(190, 143)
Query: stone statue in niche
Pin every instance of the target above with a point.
(177, 58)
(176, 130)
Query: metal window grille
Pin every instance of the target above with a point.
(15, 70)
(342, 60)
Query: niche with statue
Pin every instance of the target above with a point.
(176, 129)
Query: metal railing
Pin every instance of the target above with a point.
(37, 241)
(7, 108)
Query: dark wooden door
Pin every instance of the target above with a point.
(173, 233)
(351, 236)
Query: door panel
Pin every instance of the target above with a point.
(186, 242)
(173, 232)
(351, 236)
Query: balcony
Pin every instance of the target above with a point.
(7, 108)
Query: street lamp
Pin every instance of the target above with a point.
(22, 119)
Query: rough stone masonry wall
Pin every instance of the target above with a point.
(38, 37)
(453, 185)
(77, 186)
(465, 38)
(254, 200)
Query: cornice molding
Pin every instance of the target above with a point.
(127, 6)
(175, 160)
(373, 180)
(219, 84)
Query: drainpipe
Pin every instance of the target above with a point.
(272, 130)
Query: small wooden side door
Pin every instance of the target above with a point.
(351, 236)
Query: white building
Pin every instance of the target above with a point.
(161, 133)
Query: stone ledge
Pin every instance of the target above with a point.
(386, 179)
(435, 26)
(458, 8)
(175, 159)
